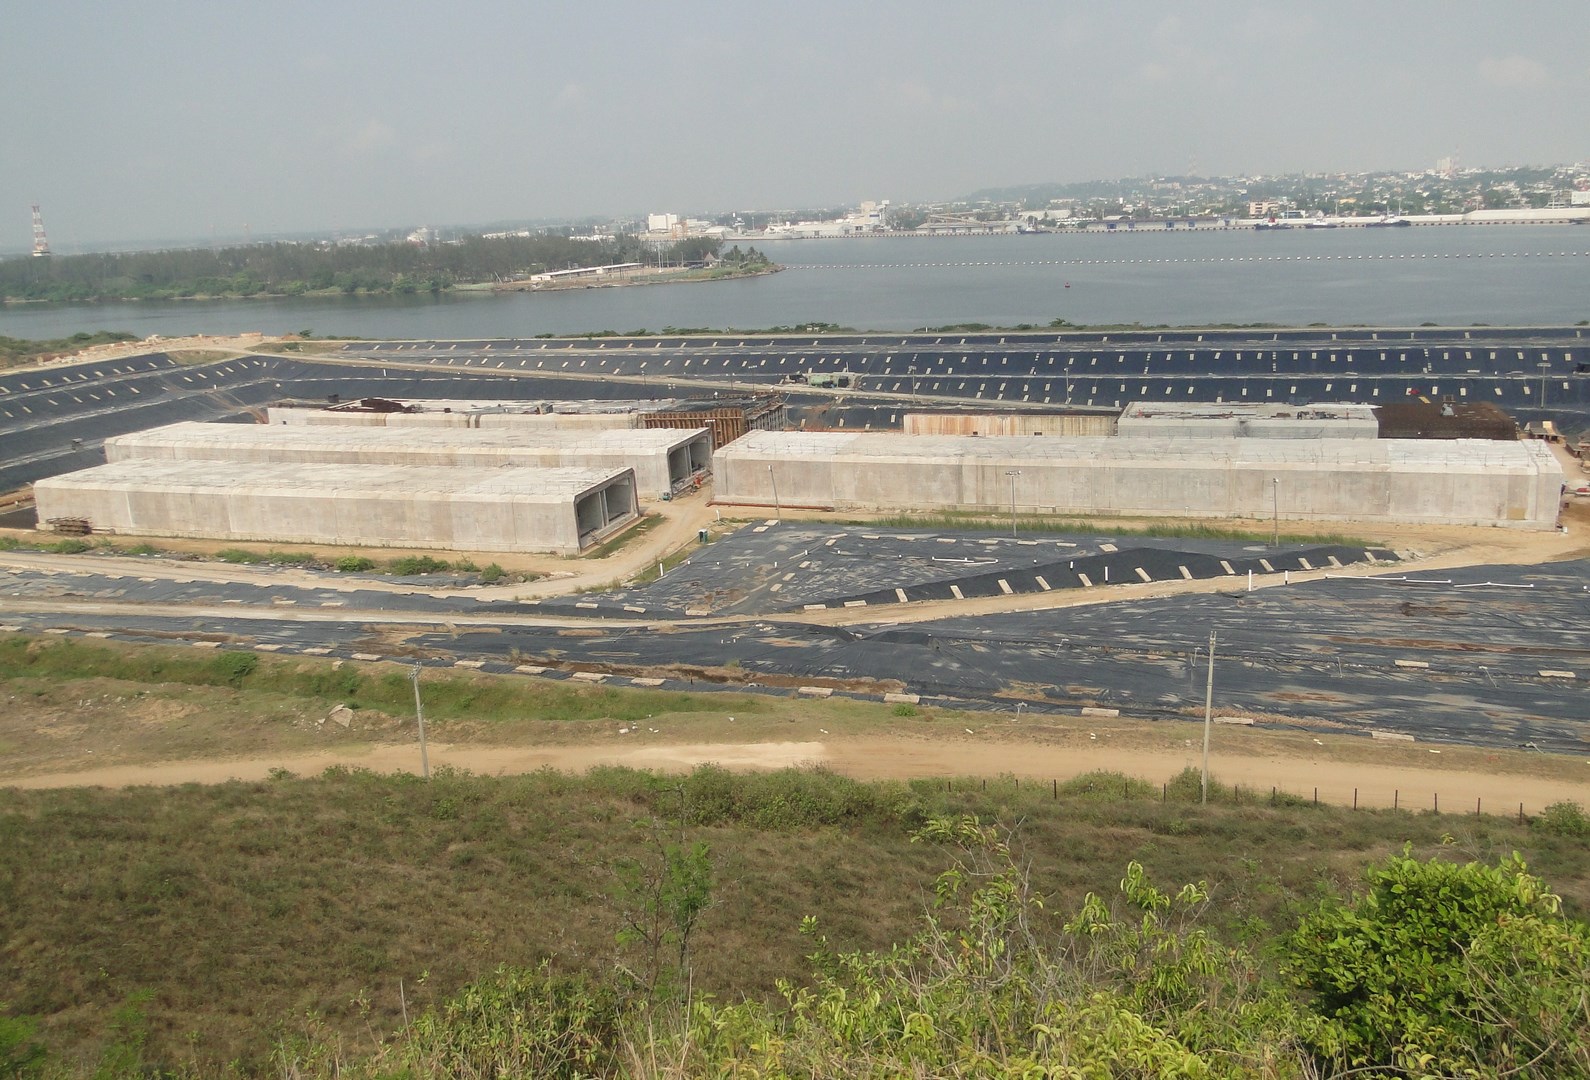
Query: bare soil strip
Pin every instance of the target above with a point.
(1449, 790)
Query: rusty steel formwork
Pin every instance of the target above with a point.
(727, 420)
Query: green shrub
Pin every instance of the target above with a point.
(289, 558)
(1565, 818)
(20, 1055)
(516, 1023)
(1187, 786)
(1447, 969)
(354, 564)
(410, 565)
(492, 573)
(231, 668)
(9, 543)
(905, 708)
(1104, 785)
(238, 555)
(70, 546)
(143, 549)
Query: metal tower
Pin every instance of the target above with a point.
(41, 243)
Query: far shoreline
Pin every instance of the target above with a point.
(472, 289)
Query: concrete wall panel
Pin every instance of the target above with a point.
(510, 509)
(1438, 481)
(1023, 423)
(647, 452)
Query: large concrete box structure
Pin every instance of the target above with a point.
(1461, 482)
(508, 509)
(458, 415)
(1193, 420)
(559, 421)
(663, 460)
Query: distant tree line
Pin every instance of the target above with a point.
(283, 269)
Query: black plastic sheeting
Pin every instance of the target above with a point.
(1487, 656)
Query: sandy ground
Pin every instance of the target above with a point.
(222, 345)
(1342, 783)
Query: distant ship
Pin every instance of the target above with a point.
(1388, 221)
(1320, 223)
(1272, 223)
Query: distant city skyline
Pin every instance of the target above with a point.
(144, 125)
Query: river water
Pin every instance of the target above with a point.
(1451, 275)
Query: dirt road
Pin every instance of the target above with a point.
(1453, 791)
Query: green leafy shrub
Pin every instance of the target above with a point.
(492, 573)
(517, 1022)
(995, 986)
(409, 565)
(354, 564)
(1440, 968)
(1565, 818)
(20, 1055)
(1105, 785)
(905, 708)
(239, 556)
(70, 546)
(231, 668)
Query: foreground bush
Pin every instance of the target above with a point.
(1438, 970)
(1466, 970)
(221, 910)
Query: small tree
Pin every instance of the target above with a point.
(663, 895)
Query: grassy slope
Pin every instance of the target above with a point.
(244, 906)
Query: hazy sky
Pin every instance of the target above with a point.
(172, 118)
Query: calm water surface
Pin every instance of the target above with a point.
(1450, 275)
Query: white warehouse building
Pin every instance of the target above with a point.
(1457, 482)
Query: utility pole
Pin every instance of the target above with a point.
(419, 713)
(1209, 712)
(778, 510)
(1544, 366)
(1275, 510)
(1013, 473)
